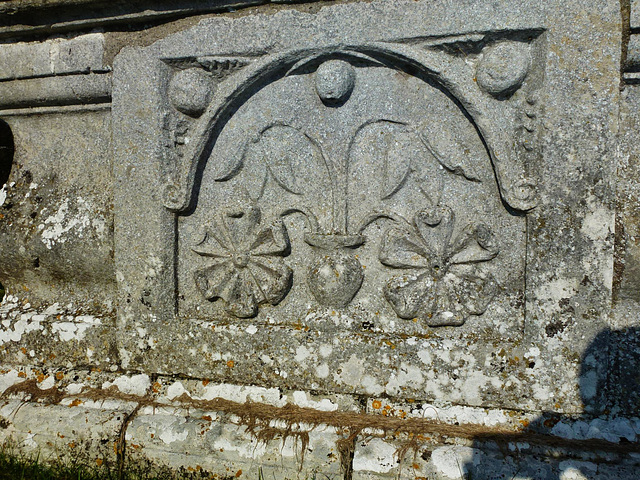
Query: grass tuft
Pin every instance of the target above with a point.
(15, 465)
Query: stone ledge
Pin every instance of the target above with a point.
(228, 430)
(55, 56)
(63, 90)
(20, 18)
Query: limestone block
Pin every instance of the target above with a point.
(80, 54)
(76, 433)
(222, 445)
(56, 206)
(53, 336)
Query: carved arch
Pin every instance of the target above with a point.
(515, 188)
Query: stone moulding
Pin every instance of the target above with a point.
(265, 221)
(515, 188)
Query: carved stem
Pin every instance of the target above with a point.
(373, 216)
(312, 222)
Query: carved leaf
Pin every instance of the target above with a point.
(271, 241)
(241, 295)
(471, 292)
(450, 150)
(448, 311)
(290, 156)
(214, 281)
(241, 227)
(254, 172)
(396, 164)
(212, 244)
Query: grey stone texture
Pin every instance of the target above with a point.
(344, 239)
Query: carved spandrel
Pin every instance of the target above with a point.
(353, 168)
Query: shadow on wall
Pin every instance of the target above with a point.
(6, 162)
(610, 390)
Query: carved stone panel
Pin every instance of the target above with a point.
(327, 196)
(349, 192)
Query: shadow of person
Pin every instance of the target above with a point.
(601, 443)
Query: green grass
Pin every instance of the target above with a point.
(17, 466)
(20, 467)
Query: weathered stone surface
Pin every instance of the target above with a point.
(56, 227)
(355, 239)
(57, 56)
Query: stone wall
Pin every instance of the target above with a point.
(326, 239)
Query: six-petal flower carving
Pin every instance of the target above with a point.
(444, 286)
(248, 269)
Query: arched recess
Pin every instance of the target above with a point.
(516, 190)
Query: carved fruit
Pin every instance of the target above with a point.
(335, 278)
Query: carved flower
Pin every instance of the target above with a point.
(445, 286)
(247, 269)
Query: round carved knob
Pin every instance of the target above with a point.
(190, 91)
(503, 68)
(335, 80)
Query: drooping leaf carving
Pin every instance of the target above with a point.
(450, 149)
(254, 171)
(396, 155)
(289, 154)
(396, 164)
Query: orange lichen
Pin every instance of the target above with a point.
(205, 383)
(99, 461)
(22, 375)
(376, 404)
(59, 376)
(230, 363)
(75, 403)
(238, 473)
